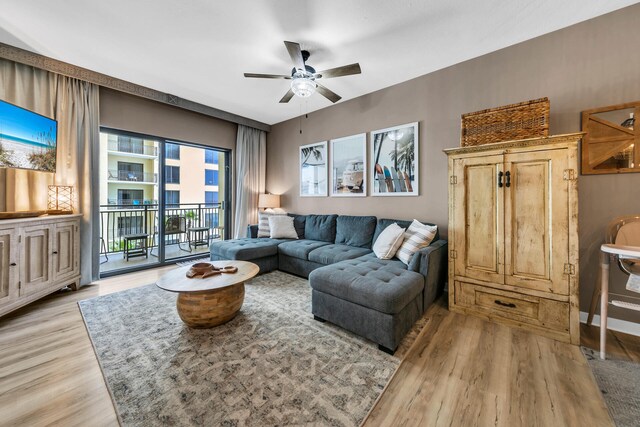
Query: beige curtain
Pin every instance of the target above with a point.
(251, 162)
(74, 104)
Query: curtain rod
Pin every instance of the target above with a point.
(26, 57)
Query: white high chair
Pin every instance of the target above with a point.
(623, 244)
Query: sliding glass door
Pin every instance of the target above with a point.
(194, 192)
(160, 200)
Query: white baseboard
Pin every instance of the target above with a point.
(614, 324)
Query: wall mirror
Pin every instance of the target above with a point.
(612, 140)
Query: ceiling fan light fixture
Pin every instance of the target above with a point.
(303, 87)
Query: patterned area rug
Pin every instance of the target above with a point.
(619, 382)
(271, 365)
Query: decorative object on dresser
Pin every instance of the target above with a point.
(348, 159)
(513, 234)
(394, 161)
(60, 199)
(611, 143)
(313, 170)
(38, 256)
(528, 119)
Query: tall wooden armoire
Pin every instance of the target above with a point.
(513, 234)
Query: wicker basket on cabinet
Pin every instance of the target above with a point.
(524, 120)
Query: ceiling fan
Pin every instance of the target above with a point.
(304, 79)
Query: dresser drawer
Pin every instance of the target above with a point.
(513, 306)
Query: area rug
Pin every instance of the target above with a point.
(271, 365)
(619, 382)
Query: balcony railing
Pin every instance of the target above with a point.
(118, 221)
(117, 175)
(133, 148)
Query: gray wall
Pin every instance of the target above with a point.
(122, 111)
(592, 64)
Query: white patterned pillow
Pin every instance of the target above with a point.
(388, 241)
(416, 237)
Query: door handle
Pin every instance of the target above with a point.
(500, 179)
(508, 175)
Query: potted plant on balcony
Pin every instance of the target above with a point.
(192, 218)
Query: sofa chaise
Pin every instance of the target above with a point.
(352, 288)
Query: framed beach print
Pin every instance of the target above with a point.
(348, 166)
(313, 170)
(394, 161)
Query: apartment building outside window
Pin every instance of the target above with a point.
(172, 174)
(210, 177)
(172, 151)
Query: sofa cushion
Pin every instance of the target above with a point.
(245, 249)
(330, 254)
(383, 285)
(385, 222)
(299, 248)
(355, 230)
(298, 224)
(320, 227)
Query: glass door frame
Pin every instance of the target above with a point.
(225, 204)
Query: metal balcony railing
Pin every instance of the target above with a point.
(117, 175)
(133, 148)
(117, 221)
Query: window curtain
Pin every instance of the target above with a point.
(74, 104)
(251, 165)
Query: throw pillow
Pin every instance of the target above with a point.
(263, 224)
(282, 227)
(416, 237)
(388, 241)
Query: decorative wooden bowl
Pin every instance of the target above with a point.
(205, 269)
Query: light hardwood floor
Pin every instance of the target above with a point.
(461, 371)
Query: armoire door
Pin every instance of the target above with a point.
(536, 221)
(35, 259)
(478, 218)
(8, 265)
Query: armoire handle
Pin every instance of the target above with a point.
(508, 175)
(500, 179)
(505, 304)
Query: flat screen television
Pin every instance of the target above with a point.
(27, 140)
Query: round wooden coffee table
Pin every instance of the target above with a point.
(209, 302)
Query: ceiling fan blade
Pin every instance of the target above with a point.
(287, 97)
(267, 76)
(331, 96)
(296, 54)
(345, 70)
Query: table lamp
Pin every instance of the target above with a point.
(60, 199)
(268, 201)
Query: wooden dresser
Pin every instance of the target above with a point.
(513, 234)
(37, 257)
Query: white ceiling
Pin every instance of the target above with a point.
(199, 49)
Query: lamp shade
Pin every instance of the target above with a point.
(268, 201)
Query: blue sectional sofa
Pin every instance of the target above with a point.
(377, 299)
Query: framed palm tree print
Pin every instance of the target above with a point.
(394, 161)
(313, 170)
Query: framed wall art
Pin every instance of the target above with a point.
(348, 166)
(313, 170)
(394, 161)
